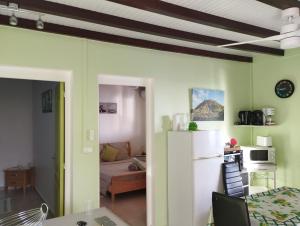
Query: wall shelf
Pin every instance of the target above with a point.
(255, 126)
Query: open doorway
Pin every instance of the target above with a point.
(32, 145)
(143, 87)
(122, 126)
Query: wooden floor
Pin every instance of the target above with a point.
(15, 201)
(131, 207)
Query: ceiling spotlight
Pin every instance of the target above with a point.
(40, 24)
(13, 20)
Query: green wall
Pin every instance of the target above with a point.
(174, 75)
(267, 71)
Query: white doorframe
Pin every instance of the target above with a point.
(40, 74)
(148, 84)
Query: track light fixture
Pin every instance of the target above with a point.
(13, 20)
(40, 24)
(13, 7)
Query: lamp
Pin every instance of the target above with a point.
(40, 24)
(13, 20)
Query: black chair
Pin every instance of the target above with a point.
(229, 211)
(233, 184)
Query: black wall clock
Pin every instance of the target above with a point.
(284, 88)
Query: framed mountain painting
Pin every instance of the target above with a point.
(207, 105)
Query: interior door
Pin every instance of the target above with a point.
(60, 155)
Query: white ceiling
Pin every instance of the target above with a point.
(248, 11)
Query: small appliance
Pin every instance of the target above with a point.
(264, 141)
(245, 117)
(268, 113)
(258, 155)
(257, 118)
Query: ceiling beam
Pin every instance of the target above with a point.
(195, 16)
(281, 4)
(123, 23)
(82, 33)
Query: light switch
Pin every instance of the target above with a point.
(87, 150)
(91, 135)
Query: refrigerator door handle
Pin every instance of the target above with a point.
(209, 157)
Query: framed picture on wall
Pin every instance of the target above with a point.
(47, 101)
(207, 105)
(108, 108)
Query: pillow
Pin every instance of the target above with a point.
(101, 148)
(139, 163)
(109, 153)
(133, 167)
(123, 154)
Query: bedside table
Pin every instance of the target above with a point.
(19, 177)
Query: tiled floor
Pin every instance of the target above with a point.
(15, 201)
(131, 207)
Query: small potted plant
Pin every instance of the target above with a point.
(193, 126)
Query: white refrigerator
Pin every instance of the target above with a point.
(194, 172)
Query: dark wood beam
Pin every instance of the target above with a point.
(114, 21)
(82, 33)
(281, 4)
(195, 16)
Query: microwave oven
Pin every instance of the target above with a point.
(258, 155)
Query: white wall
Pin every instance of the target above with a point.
(44, 143)
(129, 122)
(15, 124)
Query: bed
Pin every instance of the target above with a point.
(115, 176)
